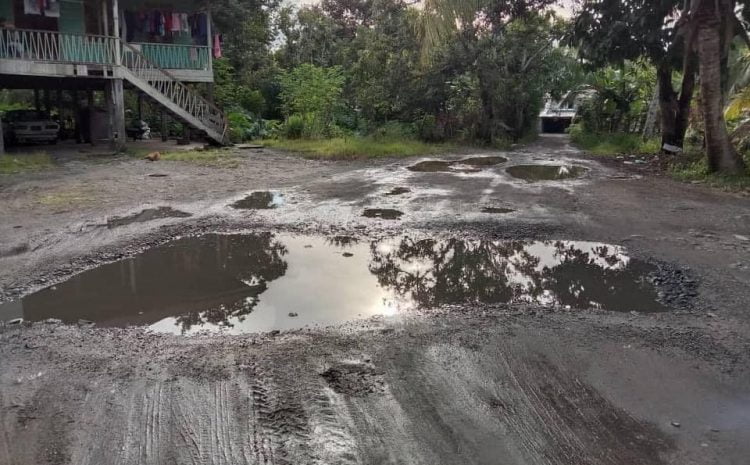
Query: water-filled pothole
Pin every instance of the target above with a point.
(252, 283)
(398, 191)
(145, 216)
(383, 213)
(469, 165)
(259, 201)
(497, 210)
(534, 173)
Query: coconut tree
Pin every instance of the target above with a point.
(714, 24)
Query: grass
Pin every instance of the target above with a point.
(613, 144)
(24, 162)
(219, 158)
(692, 167)
(357, 147)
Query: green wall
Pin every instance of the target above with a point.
(72, 17)
(6, 10)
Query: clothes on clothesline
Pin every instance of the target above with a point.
(162, 23)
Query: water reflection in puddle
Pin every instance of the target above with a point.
(469, 165)
(534, 173)
(251, 283)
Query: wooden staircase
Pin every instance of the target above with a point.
(183, 103)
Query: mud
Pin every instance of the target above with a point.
(398, 191)
(150, 214)
(533, 173)
(452, 383)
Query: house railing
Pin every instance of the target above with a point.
(56, 47)
(171, 56)
(174, 90)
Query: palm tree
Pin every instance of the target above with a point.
(711, 19)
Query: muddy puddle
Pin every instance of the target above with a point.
(497, 210)
(259, 201)
(253, 283)
(534, 173)
(383, 213)
(398, 191)
(145, 216)
(469, 165)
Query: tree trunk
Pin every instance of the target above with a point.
(722, 157)
(651, 125)
(675, 109)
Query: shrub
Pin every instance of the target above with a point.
(294, 128)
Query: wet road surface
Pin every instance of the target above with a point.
(593, 319)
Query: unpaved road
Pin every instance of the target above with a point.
(469, 384)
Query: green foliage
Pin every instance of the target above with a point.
(313, 94)
(357, 147)
(609, 144)
(244, 127)
(616, 99)
(24, 162)
(294, 128)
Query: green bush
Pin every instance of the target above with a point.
(612, 143)
(294, 128)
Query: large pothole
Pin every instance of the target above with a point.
(264, 282)
(534, 173)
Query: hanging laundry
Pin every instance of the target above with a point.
(217, 46)
(168, 22)
(185, 23)
(176, 23)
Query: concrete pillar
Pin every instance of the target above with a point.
(116, 24)
(210, 40)
(115, 96)
(37, 100)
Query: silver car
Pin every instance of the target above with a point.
(29, 126)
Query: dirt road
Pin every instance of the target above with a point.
(466, 383)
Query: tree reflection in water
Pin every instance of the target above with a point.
(431, 273)
(253, 260)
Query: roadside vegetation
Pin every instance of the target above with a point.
(357, 147)
(25, 162)
(642, 95)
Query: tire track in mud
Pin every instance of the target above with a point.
(299, 419)
(465, 406)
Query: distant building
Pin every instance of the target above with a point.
(557, 116)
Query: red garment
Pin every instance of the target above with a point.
(168, 22)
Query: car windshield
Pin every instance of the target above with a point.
(27, 115)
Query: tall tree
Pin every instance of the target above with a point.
(508, 44)
(692, 35)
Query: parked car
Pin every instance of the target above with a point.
(29, 126)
